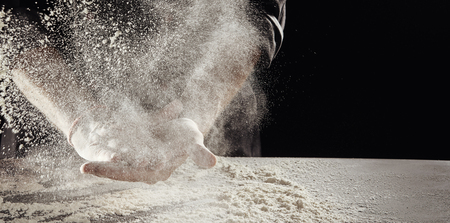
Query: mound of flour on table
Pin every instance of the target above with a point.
(253, 194)
(233, 191)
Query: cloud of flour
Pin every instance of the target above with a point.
(138, 51)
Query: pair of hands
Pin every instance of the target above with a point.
(140, 148)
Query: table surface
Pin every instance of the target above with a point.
(347, 190)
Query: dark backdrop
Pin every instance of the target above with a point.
(360, 79)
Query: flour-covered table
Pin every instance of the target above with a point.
(236, 190)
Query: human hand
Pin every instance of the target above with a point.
(132, 150)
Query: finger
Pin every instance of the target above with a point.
(144, 171)
(202, 156)
(119, 171)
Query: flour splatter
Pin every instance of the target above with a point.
(143, 51)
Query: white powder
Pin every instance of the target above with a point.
(114, 38)
(3, 18)
(144, 51)
(229, 192)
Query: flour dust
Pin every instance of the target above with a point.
(138, 51)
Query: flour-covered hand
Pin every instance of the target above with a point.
(139, 151)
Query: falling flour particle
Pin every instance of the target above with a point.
(2, 24)
(114, 38)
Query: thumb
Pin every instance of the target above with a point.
(202, 156)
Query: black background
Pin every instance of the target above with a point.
(360, 79)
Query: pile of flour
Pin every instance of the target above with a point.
(230, 192)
